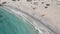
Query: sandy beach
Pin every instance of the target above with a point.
(50, 14)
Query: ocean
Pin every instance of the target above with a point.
(11, 24)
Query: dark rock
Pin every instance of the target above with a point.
(46, 7)
(29, 0)
(4, 2)
(13, 0)
(47, 4)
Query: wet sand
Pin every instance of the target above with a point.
(52, 14)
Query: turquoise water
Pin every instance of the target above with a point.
(10, 24)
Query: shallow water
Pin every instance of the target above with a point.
(10, 24)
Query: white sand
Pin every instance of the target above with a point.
(52, 14)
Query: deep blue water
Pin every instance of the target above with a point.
(10, 24)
